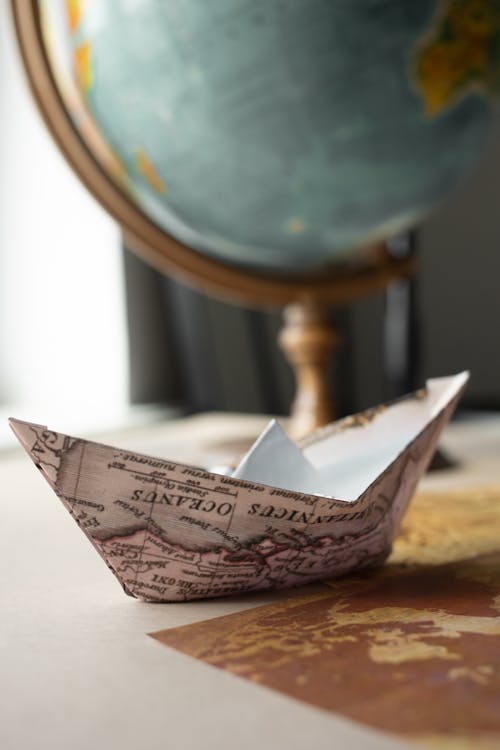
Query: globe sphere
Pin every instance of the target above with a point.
(279, 134)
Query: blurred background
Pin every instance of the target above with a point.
(91, 338)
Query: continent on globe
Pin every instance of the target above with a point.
(459, 54)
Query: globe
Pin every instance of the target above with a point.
(279, 134)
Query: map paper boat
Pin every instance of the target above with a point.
(288, 515)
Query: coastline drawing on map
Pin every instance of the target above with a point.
(288, 515)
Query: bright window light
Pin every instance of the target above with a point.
(63, 355)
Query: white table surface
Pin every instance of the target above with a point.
(77, 670)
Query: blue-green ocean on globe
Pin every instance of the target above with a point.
(279, 133)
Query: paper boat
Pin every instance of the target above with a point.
(288, 515)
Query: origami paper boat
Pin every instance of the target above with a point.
(171, 532)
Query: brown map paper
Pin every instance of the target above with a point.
(413, 648)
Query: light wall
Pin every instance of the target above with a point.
(63, 354)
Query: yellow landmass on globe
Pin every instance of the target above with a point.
(83, 66)
(148, 171)
(459, 54)
(74, 11)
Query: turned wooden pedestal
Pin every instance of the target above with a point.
(309, 341)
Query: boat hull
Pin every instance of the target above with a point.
(171, 532)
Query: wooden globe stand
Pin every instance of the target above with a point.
(308, 337)
(309, 341)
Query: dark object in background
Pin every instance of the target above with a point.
(206, 355)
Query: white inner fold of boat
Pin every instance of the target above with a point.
(343, 464)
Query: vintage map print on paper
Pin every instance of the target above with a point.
(171, 532)
(412, 648)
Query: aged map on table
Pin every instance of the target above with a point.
(412, 648)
